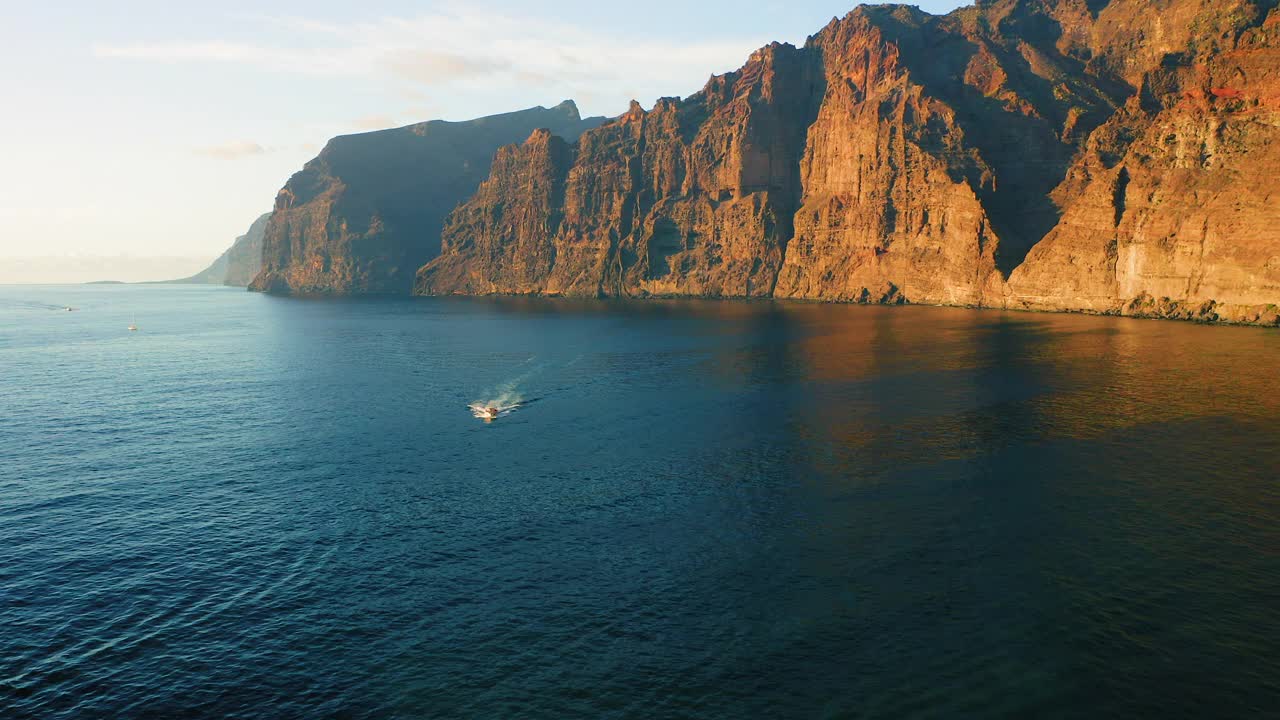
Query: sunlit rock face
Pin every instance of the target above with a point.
(1113, 157)
(366, 213)
(1172, 208)
(695, 197)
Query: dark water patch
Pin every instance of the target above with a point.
(264, 507)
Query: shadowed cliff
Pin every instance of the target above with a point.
(240, 263)
(367, 211)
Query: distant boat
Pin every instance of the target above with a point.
(487, 413)
(133, 327)
(69, 308)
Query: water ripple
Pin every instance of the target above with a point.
(259, 507)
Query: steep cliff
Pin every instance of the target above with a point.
(1096, 155)
(366, 213)
(240, 263)
(693, 198)
(1173, 207)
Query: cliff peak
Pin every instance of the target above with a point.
(666, 104)
(635, 112)
(768, 52)
(540, 136)
(569, 108)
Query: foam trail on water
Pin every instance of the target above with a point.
(505, 398)
(34, 305)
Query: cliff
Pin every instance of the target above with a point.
(366, 213)
(240, 263)
(693, 198)
(1093, 155)
(1172, 208)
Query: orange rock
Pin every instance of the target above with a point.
(1036, 154)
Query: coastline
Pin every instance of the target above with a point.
(1269, 314)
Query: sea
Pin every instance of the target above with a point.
(266, 507)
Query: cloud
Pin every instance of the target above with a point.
(478, 52)
(374, 122)
(311, 61)
(176, 52)
(429, 67)
(234, 150)
(530, 77)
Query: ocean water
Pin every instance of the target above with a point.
(283, 508)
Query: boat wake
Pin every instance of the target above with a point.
(503, 400)
(37, 305)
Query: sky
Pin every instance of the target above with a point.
(160, 130)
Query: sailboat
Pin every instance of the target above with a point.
(133, 326)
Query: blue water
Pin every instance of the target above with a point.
(282, 508)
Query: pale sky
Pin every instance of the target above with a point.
(161, 129)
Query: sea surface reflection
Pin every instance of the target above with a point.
(265, 507)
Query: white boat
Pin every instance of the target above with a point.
(486, 413)
(132, 327)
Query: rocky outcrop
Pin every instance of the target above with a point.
(240, 263)
(693, 198)
(1173, 207)
(1094, 155)
(366, 213)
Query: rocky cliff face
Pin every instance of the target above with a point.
(1105, 156)
(366, 213)
(693, 198)
(1173, 209)
(240, 263)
